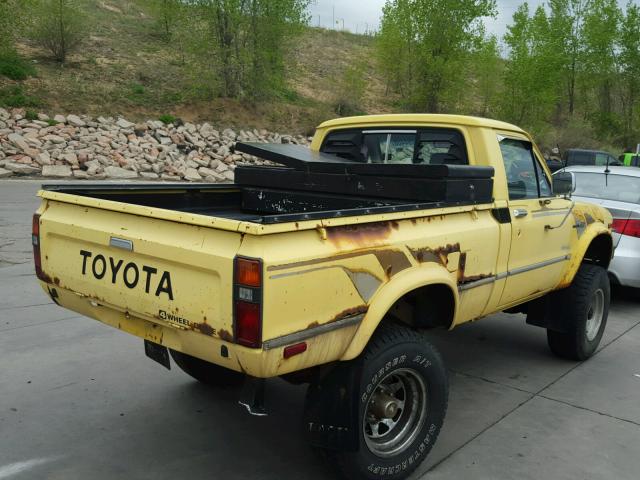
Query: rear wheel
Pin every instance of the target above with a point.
(402, 396)
(584, 307)
(206, 372)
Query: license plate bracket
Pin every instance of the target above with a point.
(158, 353)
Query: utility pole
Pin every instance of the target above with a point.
(333, 20)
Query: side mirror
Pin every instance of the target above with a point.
(564, 183)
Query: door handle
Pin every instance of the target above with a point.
(520, 212)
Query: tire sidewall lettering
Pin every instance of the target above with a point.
(368, 389)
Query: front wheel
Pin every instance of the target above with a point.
(584, 307)
(402, 397)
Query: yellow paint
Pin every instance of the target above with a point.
(318, 271)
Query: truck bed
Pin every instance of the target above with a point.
(241, 203)
(311, 185)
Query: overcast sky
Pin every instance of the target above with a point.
(358, 14)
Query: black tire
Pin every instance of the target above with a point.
(580, 305)
(206, 372)
(396, 354)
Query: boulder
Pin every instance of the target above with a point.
(61, 171)
(122, 123)
(192, 175)
(18, 141)
(21, 168)
(80, 174)
(5, 173)
(149, 175)
(59, 119)
(75, 121)
(117, 172)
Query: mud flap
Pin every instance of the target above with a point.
(547, 312)
(331, 414)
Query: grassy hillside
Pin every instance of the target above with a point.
(124, 67)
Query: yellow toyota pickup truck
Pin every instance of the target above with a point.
(330, 266)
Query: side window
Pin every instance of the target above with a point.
(523, 171)
(543, 181)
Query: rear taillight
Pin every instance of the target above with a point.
(618, 224)
(627, 227)
(35, 241)
(248, 302)
(632, 228)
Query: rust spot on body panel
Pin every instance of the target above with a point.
(474, 278)
(225, 335)
(435, 255)
(462, 267)
(205, 328)
(350, 312)
(360, 235)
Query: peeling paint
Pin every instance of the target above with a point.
(360, 235)
(225, 335)
(435, 255)
(392, 261)
(350, 312)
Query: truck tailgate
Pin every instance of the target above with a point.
(164, 271)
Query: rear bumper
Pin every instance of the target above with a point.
(625, 266)
(262, 363)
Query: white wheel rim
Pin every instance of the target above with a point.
(595, 312)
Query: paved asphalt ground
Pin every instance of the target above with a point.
(79, 400)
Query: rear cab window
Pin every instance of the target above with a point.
(427, 146)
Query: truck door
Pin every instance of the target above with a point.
(541, 229)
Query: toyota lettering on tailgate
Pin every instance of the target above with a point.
(116, 270)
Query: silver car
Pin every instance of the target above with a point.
(618, 190)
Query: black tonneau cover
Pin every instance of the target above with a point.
(304, 159)
(309, 171)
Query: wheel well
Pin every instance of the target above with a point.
(599, 251)
(425, 307)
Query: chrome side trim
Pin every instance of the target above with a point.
(510, 273)
(311, 332)
(389, 131)
(535, 266)
(121, 243)
(547, 213)
(477, 283)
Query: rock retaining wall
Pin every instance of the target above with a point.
(83, 147)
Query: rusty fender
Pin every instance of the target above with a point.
(401, 284)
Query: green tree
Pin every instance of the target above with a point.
(13, 17)
(58, 26)
(532, 74)
(486, 68)
(424, 45)
(601, 31)
(566, 24)
(239, 46)
(167, 14)
(629, 49)
(350, 89)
